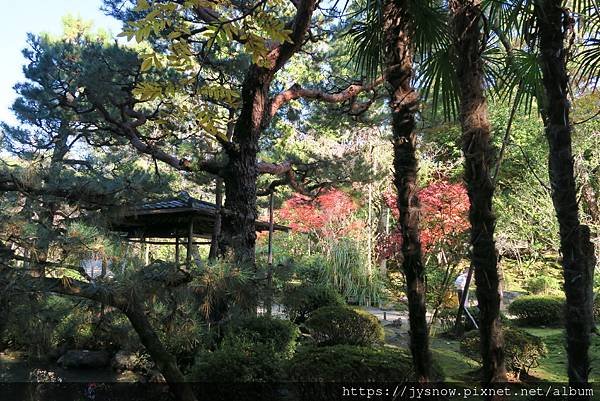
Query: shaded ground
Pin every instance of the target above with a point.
(14, 367)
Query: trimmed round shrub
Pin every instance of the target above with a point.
(279, 334)
(237, 361)
(347, 363)
(538, 310)
(522, 351)
(312, 368)
(333, 325)
(542, 285)
(299, 301)
(253, 349)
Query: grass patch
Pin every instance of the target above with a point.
(554, 366)
(456, 366)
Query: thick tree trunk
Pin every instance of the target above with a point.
(478, 153)
(574, 238)
(214, 243)
(238, 230)
(404, 106)
(238, 234)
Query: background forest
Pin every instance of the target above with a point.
(395, 144)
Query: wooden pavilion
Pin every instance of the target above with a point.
(178, 220)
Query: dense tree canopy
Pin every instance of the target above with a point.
(400, 142)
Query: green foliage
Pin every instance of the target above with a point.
(237, 360)
(346, 270)
(336, 325)
(542, 285)
(252, 349)
(522, 351)
(538, 309)
(346, 363)
(221, 289)
(299, 301)
(446, 318)
(596, 307)
(278, 334)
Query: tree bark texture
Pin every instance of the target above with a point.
(238, 231)
(575, 246)
(404, 105)
(478, 153)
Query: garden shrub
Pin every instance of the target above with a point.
(538, 310)
(333, 325)
(347, 363)
(279, 334)
(542, 285)
(313, 367)
(522, 351)
(237, 360)
(447, 318)
(252, 350)
(299, 301)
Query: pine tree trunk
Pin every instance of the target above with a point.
(575, 246)
(478, 153)
(238, 235)
(238, 225)
(404, 106)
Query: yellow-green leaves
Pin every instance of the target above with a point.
(219, 93)
(151, 60)
(147, 91)
(142, 5)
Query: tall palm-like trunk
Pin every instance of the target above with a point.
(404, 105)
(478, 153)
(575, 246)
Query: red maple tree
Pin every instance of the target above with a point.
(444, 216)
(327, 215)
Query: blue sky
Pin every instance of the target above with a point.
(36, 16)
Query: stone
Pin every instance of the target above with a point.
(84, 359)
(124, 360)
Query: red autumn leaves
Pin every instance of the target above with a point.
(328, 214)
(444, 216)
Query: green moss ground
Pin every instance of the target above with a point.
(553, 368)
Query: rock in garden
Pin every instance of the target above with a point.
(77, 359)
(124, 360)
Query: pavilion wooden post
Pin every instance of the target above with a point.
(177, 250)
(214, 244)
(145, 250)
(270, 259)
(188, 256)
(458, 328)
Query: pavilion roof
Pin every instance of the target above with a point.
(170, 218)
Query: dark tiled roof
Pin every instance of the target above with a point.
(165, 218)
(178, 203)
